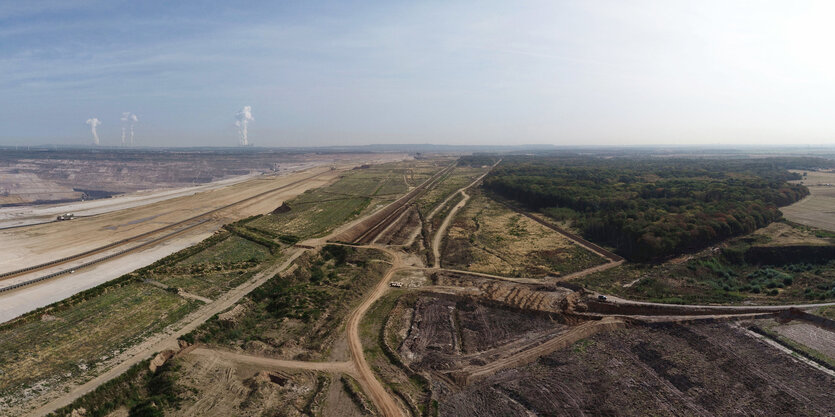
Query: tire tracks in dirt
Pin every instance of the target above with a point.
(332, 367)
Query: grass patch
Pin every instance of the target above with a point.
(73, 341)
(828, 312)
(232, 250)
(139, 390)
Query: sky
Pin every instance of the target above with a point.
(441, 72)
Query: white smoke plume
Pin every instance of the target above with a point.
(244, 117)
(129, 120)
(94, 122)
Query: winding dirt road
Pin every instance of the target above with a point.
(381, 398)
(439, 234)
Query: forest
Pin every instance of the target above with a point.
(650, 208)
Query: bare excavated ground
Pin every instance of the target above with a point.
(665, 370)
(534, 298)
(445, 327)
(39, 177)
(34, 245)
(215, 386)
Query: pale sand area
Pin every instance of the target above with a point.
(818, 209)
(27, 246)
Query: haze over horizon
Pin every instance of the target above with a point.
(464, 73)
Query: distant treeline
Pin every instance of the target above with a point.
(651, 208)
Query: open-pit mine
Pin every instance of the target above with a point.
(392, 285)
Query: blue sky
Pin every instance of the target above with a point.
(448, 72)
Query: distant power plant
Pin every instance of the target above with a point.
(94, 122)
(129, 120)
(244, 116)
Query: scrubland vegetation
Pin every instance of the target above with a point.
(488, 237)
(294, 315)
(742, 269)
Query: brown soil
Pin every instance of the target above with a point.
(527, 297)
(213, 385)
(463, 342)
(668, 370)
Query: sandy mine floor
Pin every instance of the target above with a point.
(32, 245)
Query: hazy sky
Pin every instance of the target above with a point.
(449, 72)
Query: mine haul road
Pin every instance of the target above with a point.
(381, 398)
(40, 244)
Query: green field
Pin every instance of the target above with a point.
(231, 250)
(216, 269)
(317, 212)
(71, 341)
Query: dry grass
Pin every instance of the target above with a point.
(501, 241)
(782, 234)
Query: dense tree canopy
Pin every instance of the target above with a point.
(648, 208)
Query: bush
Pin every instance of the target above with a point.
(147, 408)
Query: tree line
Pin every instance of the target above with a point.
(648, 208)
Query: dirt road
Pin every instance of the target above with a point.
(167, 339)
(439, 234)
(333, 367)
(381, 398)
